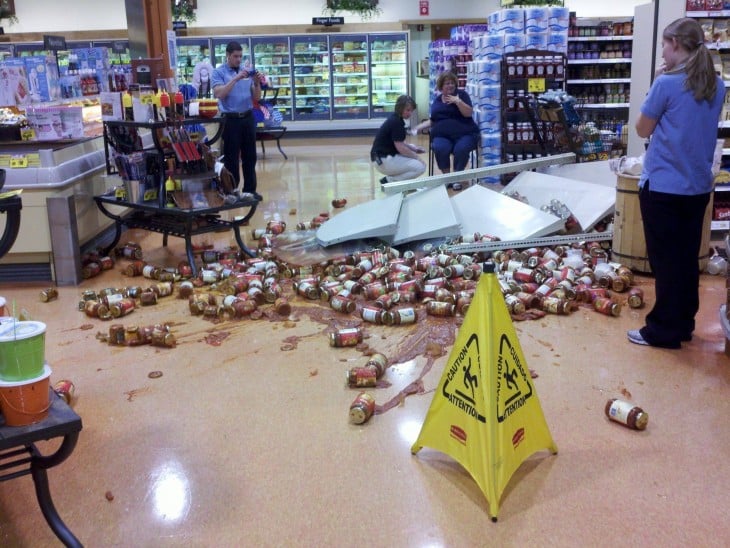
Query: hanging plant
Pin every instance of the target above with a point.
(366, 9)
(7, 12)
(184, 10)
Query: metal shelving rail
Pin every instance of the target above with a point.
(499, 169)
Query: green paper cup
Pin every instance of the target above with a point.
(22, 350)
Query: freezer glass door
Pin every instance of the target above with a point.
(389, 71)
(349, 55)
(312, 85)
(190, 52)
(271, 56)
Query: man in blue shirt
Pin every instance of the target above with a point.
(236, 89)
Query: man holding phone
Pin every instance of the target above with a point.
(236, 89)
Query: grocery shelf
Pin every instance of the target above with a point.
(602, 105)
(617, 38)
(600, 81)
(614, 61)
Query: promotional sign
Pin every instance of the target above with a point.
(423, 7)
(485, 412)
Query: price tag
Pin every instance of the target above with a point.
(536, 85)
(27, 134)
(18, 162)
(34, 159)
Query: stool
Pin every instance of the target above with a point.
(474, 154)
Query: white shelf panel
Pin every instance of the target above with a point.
(720, 225)
(601, 81)
(614, 61)
(599, 38)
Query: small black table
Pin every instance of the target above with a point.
(183, 223)
(11, 206)
(271, 134)
(20, 457)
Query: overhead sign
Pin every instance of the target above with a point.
(328, 21)
(54, 43)
(423, 7)
(179, 25)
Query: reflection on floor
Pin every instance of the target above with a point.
(247, 443)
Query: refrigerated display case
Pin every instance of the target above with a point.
(190, 51)
(312, 83)
(350, 91)
(389, 71)
(271, 56)
(6, 50)
(118, 51)
(219, 49)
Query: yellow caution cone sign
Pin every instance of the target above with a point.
(485, 413)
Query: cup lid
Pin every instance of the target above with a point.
(10, 384)
(14, 329)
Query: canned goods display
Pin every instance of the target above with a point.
(90, 270)
(627, 414)
(342, 304)
(636, 297)
(362, 377)
(148, 298)
(49, 294)
(372, 314)
(362, 408)
(121, 307)
(282, 306)
(401, 316)
(346, 337)
(65, 389)
(606, 306)
(379, 363)
(440, 308)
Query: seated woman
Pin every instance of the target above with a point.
(393, 157)
(453, 131)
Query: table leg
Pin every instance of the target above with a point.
(189, 251)
(278, 145)
(38, 466)
(117, 237)
(239, 241)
